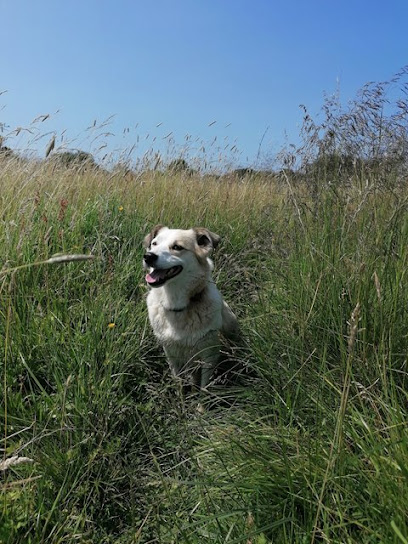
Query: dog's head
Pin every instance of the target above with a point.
(177, 253)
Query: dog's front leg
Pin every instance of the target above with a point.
(176, 363)
(208, 356)
(207, 368)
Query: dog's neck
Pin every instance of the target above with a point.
(177, 305)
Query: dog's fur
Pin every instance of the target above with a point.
(186, 310)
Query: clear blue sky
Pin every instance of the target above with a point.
(246, 64)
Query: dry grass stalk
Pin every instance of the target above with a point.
(56, 259)
(14, 461)
(353, 324)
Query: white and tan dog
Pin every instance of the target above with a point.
(186, 310)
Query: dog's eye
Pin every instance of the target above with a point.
(176, 247)
(154, 244)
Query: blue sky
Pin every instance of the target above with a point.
(246, 64)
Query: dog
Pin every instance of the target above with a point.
(186, 310)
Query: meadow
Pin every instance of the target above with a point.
(308, 445)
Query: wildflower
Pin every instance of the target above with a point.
(111, 325)
(120, 208)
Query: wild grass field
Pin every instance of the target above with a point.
(310, 445)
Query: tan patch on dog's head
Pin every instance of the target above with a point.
(152, 234)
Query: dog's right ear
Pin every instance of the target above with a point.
(152, 234)
(206, 239)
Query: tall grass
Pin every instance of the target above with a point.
(311, 445)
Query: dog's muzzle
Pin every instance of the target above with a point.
(158, 276)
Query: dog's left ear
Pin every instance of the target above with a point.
(152, 234)
(206, 239)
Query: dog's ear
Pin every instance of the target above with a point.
(152, 234)
(206, 239)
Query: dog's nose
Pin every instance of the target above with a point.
(150, 258)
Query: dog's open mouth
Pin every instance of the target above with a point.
(159, 276)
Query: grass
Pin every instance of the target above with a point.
(311, 446)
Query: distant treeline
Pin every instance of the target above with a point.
(327, 167)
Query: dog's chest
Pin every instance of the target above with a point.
(185, 327)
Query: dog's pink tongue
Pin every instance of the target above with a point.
(149, 278)
(155, 276)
